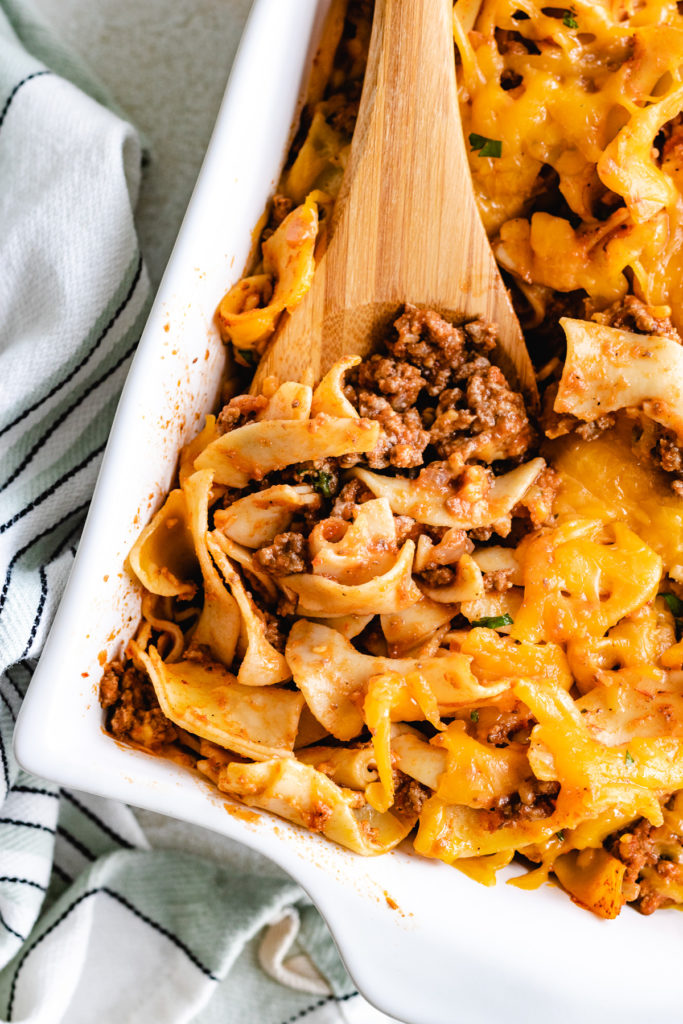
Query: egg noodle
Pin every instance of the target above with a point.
(392, 603)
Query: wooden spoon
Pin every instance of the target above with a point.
(406, 227)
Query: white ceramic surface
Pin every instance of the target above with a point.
(452, 950)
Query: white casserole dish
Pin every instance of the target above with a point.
(451, 950)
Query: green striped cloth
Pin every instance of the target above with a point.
(95, 924)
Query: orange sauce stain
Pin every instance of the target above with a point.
(242, 813)
(392, 904)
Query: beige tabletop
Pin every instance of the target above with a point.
(166, 63)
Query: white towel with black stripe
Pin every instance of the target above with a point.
(94, 924)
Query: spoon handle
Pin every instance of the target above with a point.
(406, 227)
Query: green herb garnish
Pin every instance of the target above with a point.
(486, 147)
(474, 715)
(561, 835)
(494, 621)
(320, 481)
(248, 355)
(569, 19)
(675, 604)
(628, 759)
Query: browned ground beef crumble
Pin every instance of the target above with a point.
(287, 554)
(282, 205)
(637, 848)
(632, 314)
(409, 795)
(436, 387)
(240, 410)
(133, 710)
(535, 800)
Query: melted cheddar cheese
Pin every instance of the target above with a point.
(585, 102)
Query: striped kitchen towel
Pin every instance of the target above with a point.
(94, 923)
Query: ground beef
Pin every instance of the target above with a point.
(409, 795)
(482, 335)
(282, 206)
(556, 424)
(343, 108)
(535, 800)
(488, 422)
(670, 456)
(287, 554)
(287, 605)
(402, 438)
(500, 728)
(536, 507)
(438, 576)
(636, 849)
(651, 897)
(407, 529)
(200, 653)
(477, 415)
(481, 534)
(110, 685)
(400, 383)
(240, 410)
(632, 314)
(639, 848)
(352, 494)
(427, 341)
(132, 707)
(589, 431)
(274, 634)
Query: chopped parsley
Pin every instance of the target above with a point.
(561, 835)
(486, 147)
(320, 481)
(248, 355)
(494, 621)
(474, 715)
(569, 19)
(628, 758)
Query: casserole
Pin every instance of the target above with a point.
(386, 913)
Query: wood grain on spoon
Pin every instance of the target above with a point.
(406, 227)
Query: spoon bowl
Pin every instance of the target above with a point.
(406, 227)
